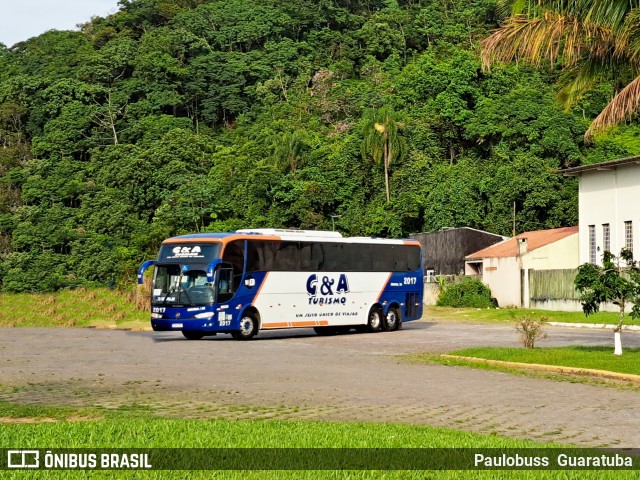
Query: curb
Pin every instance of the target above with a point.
(551, 368)
(603, 326)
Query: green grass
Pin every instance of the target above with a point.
(599, 358)
(95, 428)
(72, 308)
(506, 315)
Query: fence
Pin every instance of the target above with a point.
(545, 285)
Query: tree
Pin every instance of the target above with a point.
(595, 40)
(382, 140)
(616, 281)
(288, 149)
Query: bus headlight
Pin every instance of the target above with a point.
(204, 315)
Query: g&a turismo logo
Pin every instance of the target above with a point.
(323, 292)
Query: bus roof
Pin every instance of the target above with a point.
(282, 234)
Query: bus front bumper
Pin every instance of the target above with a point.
(191, 324)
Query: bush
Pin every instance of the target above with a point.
(530, 330)
(469, 292)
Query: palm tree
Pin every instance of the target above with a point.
(594, 40)
(382, 140)
(288, 149)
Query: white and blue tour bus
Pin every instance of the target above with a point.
(262, 279)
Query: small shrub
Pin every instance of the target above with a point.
(468, 292)
(530, 330)
(142, 295)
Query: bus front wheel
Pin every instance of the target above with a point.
(192, 334)
(375, 319)
(248, 327)
(391, 320)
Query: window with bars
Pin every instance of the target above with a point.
(592, 244)
(628, 235)
(606, 237)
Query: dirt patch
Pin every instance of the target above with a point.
(27, 420)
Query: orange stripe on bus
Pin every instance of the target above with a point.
(386, 282)
(304, 324)
(275, 325)
(309, 323)
(255, 300)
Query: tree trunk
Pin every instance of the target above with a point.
(617, 338)
(387, 154)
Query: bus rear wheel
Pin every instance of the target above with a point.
(249, 327)
(192, 334)
(375, 319)
(391, 320)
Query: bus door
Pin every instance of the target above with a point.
(225, 285)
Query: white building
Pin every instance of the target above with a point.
(609, 208)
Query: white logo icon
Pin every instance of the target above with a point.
(23, 459)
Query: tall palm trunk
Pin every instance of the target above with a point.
(387, 161)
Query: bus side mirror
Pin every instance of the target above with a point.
(143, 268)
(211, 269)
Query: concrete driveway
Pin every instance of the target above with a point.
(297, 374)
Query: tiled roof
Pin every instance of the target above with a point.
(536, 239)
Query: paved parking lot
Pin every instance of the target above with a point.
(296, 374)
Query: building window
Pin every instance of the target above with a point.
(592, 244)
(628, 235)
(606, 237)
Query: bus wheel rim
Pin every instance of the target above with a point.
(392, 319)
(246, 325)
(375, 319)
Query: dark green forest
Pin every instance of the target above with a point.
(176, 116)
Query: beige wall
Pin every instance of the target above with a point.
(502, 275)
(563, 254)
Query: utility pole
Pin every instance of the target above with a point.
(513, 231)
(333, 221)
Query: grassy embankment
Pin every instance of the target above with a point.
(99, 307)
(44, 427)
(96, 307)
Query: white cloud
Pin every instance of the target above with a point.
(23, 19)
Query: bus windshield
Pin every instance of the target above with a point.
(173, 287)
